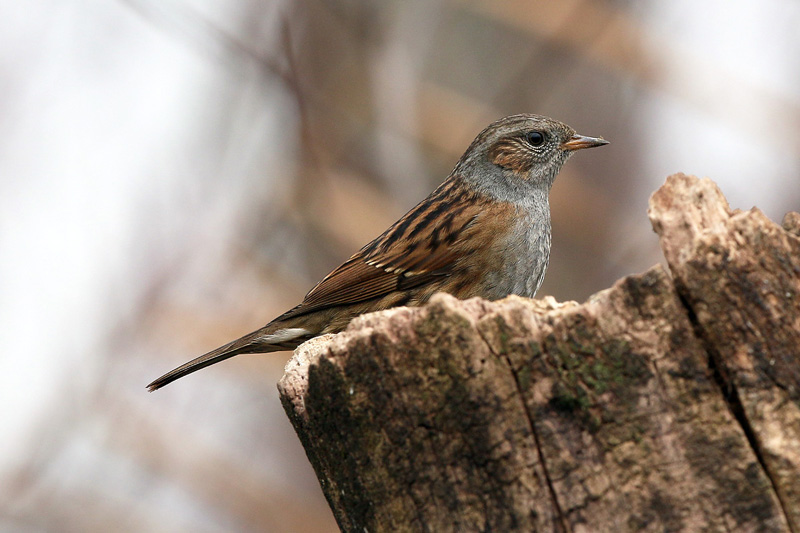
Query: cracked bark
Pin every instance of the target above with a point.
(665, 403)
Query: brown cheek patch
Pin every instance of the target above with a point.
(510, 155)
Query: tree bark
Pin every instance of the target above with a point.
(665, 403)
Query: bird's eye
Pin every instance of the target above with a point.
(535, 138)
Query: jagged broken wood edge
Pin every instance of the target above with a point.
(743, 263)
(750, 501)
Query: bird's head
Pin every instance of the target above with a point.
(521, 152)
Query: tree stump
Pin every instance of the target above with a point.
(665, 403)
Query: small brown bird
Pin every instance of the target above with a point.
(485, 231)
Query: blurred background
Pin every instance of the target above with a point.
(175, 173)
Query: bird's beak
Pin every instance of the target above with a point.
(578, 142)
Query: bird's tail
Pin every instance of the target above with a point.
(260, 341)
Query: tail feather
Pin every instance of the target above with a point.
(256, 342)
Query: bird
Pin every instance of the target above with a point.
(484, 231)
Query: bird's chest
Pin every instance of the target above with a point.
(523, 259)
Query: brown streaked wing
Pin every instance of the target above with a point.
(421, 246)
(354, 281)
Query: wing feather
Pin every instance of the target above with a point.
(427, 243)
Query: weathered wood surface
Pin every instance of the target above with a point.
(665, 403)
